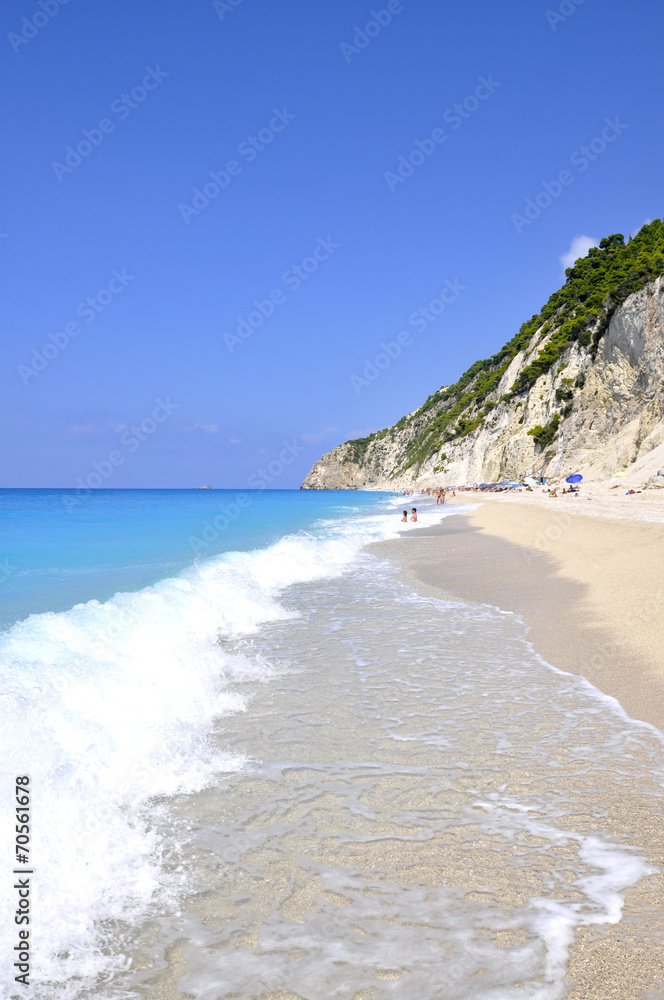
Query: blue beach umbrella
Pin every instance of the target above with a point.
(576, 478)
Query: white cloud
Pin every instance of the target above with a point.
(579, 247)
(234, 441)
(315, 438)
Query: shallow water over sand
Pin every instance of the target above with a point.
(427, 810)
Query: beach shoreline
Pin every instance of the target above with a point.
(588, 582)
(588, 587)
(391, 783)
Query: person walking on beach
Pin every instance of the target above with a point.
(413, 516)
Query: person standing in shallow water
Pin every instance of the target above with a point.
(405, 516)
(413, 516)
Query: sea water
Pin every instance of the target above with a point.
(263, 766)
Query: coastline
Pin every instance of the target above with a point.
(589, 588)
(320, 749)
(588, 583)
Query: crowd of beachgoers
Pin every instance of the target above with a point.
(443, 492)
(607, 497)
(545, 489)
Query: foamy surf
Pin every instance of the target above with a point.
(108, 707)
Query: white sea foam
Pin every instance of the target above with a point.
(421, 942)
(108, 706)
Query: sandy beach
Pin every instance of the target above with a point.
(585, 574)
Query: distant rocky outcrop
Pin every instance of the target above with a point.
(579, 389)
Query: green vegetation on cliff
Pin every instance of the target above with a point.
(545, 435)
(578, 312)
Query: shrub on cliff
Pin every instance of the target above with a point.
(545, 435)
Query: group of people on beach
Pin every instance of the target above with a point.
(554, 491)
(439, 492)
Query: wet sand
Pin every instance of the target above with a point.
(342, 847)
(589, 585)
(588, 581)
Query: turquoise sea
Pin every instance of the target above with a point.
(59, 548)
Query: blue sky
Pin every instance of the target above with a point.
(122, 287)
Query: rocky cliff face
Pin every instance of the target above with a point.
(598, 410)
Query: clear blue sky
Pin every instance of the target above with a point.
(218, 75)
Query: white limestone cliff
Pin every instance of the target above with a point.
(614, 420)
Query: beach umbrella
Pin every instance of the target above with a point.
(530, 481)
(576, 478)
